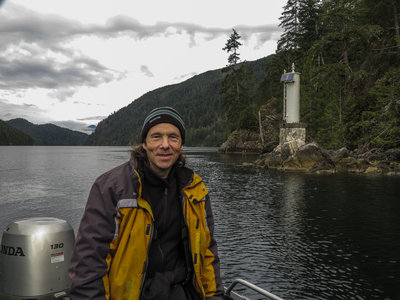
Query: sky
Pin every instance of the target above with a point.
(72, 63)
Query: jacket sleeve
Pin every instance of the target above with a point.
(213, 260)
(88, 268)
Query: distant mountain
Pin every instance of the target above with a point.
(49, 134)
(197, 99)
(11, 136)
(91, 128)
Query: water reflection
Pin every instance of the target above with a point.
(299, 236)
(305, 236)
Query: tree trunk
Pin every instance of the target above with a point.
(261, 131)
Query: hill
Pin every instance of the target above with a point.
(197, 99)
(11, 136)
(49, 134)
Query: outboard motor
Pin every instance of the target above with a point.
(34, 259)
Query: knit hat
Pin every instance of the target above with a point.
(163, 115)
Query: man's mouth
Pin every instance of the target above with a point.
(164, 155)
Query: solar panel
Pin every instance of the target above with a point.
(287, 77)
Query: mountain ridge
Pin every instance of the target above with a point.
(198, 100)
(48, 134)
(10, 136)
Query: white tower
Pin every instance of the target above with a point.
(292, 131)
(291, 96)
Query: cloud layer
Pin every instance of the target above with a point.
(34, 50)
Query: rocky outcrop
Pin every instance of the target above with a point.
(264, 139)
(311, 158)
(308, 157)
(242, 141)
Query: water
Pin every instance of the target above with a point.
(299, 236)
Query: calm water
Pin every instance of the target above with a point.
(299, 236)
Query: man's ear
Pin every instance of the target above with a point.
(144, 146)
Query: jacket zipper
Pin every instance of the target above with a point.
(147, 259)
(165, 207)
(185, 203)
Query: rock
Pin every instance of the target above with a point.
(242, 141)
(339, 154)
(272, 160)
(264, 139)
(309, 157)
(309, 154)
(270, 119)
(393, 155)
(394, 168)
(373, 170)
(286, 151)
(351, 164)
(292, 163)
(371, 155)
(290, 148)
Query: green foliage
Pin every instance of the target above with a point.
(236, 96)
(238, 89)
(248, 119)
(348, 56)
(11, 136)
(290, 25)
(382, 121)
(232, 45)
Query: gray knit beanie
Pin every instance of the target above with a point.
(163, 115)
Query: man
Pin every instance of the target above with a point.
(147, 230)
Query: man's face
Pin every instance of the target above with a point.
(163, 144)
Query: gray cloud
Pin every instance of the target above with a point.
(88, 103)
(185, 76)
(73, 125)
(93, 118)
(20, 24)
(30, 41)
(124, 25)
(146, 71)
(37, 72)
(35, 115)
(30, 26)
(62, 94)
(27, 111)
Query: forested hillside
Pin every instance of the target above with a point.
(11, 136)
(348, 54)
(49, 134)
(198, 99)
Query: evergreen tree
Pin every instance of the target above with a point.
(377, 82)
(348, 54)
(232, 46)
(334, 68)
(289, 23)
(383, 120)
(308, 29)
(288, 42)
(237, 88)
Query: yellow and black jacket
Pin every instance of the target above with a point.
(111, 250)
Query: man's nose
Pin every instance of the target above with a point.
(165, 142)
